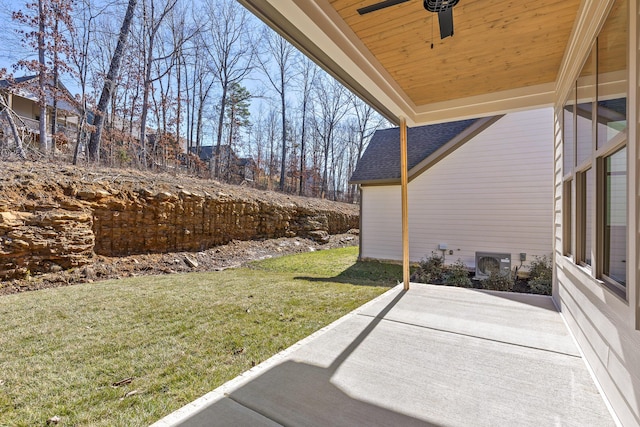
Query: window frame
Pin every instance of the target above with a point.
(568, 245)
(575, 186)
(616, 144)
(582, 189)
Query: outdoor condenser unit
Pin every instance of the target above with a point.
(488, 262)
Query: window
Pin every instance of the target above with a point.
(568, 156)
(586, 190)
(586, 96)
(568, 131)
(595, 163)
(612, 75)
(615, 218)
(567, 218)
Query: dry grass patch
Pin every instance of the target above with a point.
(127, 352)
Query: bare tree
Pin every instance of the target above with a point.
(82, 41)
(6, 111)
(281, 52)
(306, 76)
(231, 51)
(48, 39)
(109, 81)
(366, 121)
(203, 80)
(333, 101)
(152, 20)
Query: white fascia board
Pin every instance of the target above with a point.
(590, 19)
(491, 104)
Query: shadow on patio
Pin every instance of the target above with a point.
(365, 273)
(432, 356)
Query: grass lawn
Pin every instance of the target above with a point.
(167, 339)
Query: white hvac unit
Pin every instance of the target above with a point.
(488, 262)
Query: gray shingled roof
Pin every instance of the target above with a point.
(619, 105)
(381, 159)
(8, 83)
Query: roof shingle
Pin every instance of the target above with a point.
(381, 159)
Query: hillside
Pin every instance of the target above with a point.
(60, 223)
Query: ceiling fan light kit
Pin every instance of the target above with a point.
(444, 9)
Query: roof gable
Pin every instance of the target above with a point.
(380, 162)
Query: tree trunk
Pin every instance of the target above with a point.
(83, 121)
(283, 163)
(145, 103)
(302, 147)
(325, 177)
(223, 105)
(54, 91)
(230, 142)
(42, 79)
(179, 102)
(14, 129)
(109, 82)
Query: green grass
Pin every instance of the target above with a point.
(178, 336)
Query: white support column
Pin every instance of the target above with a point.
(633, 159)
(404, 184)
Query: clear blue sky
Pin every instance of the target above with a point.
(10, 47)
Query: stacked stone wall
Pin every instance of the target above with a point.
(83, 222)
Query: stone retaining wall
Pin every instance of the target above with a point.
(46, 237)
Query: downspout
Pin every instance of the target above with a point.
(404, 184)
(360, 220)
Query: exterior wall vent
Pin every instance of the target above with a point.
(488, 262)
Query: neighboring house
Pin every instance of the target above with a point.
(235, 168)
(482, 185)
(22, 99)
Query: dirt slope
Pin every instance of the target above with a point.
(61, 224)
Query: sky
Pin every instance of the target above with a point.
(10, 48)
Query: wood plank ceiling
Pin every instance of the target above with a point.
(498, 45)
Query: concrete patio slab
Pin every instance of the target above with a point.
(433, 356)
(522, 319)
(227, 413)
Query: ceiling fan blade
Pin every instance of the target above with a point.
(445, 19)
(380, 5)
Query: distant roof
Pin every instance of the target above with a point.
(381, 160)
(207, 151)
(619, 105)
(66, 101)
(8, 83)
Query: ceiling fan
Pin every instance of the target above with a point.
(444, 9)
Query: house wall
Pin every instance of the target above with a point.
(492, 194)
(23, 107)
(380, 223)
(605, 325)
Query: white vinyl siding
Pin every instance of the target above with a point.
(494, 193)
(381, 227)
(606, 323)
(602, 322)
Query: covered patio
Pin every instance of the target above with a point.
(432, 356)
(507, 56)
(440, 356)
